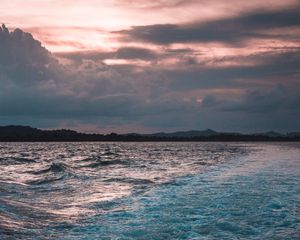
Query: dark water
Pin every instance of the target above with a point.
(149, 191)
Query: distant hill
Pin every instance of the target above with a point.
(26, 133)
(193, 133)
(271, 134)
(29, 134)
(293, 134)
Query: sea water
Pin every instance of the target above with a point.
(150, 190)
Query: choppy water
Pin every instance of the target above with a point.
(149, 191)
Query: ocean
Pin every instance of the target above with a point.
(151, 190)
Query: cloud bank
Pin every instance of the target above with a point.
(233, 73)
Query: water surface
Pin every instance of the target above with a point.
(149, 191)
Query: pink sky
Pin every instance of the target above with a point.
(70, 25)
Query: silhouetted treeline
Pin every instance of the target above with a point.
(28, 134)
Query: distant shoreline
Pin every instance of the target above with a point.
(29, 134)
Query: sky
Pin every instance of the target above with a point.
(147, 66)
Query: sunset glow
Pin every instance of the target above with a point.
(75, 25)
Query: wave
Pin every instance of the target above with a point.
(45, 180)
(15, 160)
(54, 167)
(107, 163)
(134, 181)
(74, 183)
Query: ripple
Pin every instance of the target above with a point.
(148, 190)
(103, 163)
(15, 160)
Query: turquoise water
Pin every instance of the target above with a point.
(220, 191)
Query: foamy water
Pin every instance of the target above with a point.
(149, 191)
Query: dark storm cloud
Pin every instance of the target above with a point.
(37, 88)
(231, 31)
(84, 89)
(278, 99)
(22, 58)
(272, 69)
(34, 83)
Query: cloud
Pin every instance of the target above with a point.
(90, 55)
(125, 53)
(79, 89)
(35, 85)
(135, 53)
(22, 58)
(33, 81)
(232, 30)
(268, 69)
(279, 99)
